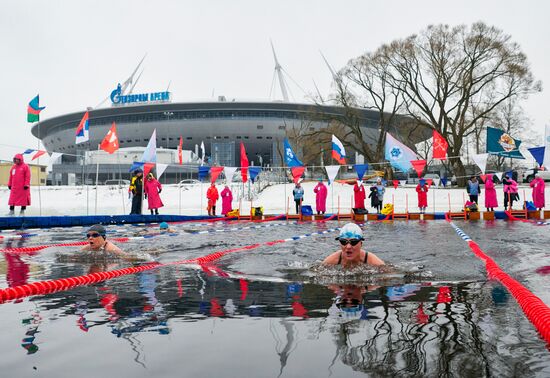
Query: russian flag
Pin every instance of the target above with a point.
(82, 134)
(338, 151)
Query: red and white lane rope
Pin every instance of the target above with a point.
(533, 307)
(532, 221)
(50, 286)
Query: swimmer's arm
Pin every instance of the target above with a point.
(374, 260)
(86, 248)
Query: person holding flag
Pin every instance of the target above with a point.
(152, 189)
(19, 185)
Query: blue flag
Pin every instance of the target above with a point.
(502, 144)
(538, 154)
(136, 165)
(254, 172)
(203, 172)
(398, 154)
(361, 169)
(290, 157)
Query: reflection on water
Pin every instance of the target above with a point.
(220, 320)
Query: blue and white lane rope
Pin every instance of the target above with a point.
(230, 229)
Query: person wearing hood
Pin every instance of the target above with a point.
(320, 197)
(510, 191)
(538, 192)
(359, 195)
(227, 199)
(380, 190)
(19, 185)
(490, 194)
(152, 189)
(212, 195)
(422, 190)
(136, 188)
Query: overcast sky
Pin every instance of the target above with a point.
(73, 53)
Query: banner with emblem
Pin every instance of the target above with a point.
(501, 143)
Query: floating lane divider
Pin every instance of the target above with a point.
(533, 307)
(51, 286)
(532, 221)
(236, 228)
(68, 244)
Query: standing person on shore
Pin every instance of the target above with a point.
(359, 195)
(19, 184)
(510, 191)
(152, 190)
(473, 189)
(298, 193)
(212, 196)
(490, 194)
(538, 192)
(320, 197)
(422, 190)
(380, 190)
(136, 188)
(227, 198)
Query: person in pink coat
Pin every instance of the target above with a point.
(538, 192)
(359, 195)
(152, 189)
(422, 190)
(490, 194)
(19, 184)
(227, 198)
(320, 197)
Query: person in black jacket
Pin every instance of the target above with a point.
(136, 188)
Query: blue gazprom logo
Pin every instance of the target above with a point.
(118, 99)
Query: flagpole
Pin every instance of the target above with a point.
(120, 182)
(39, 180)
(96, 177)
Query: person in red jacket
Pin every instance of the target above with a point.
(212, 195)
(152, 189)
(359, 195)
(19, 183)
(422, 190)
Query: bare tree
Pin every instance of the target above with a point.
(443, 73)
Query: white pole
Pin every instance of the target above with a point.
(96, 177)
(119, 183)
(39, 180)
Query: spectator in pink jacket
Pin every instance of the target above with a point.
(227, 198)
(538, 192)
(19, 184)
(490, 193)
(510, 191)
(152, 189)
(320, 197)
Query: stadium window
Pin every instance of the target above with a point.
(245, 137)
(259, 127)
(189, 138)
(137, 140)
(225, 137)
(129, 140)
(170, 138)
(259, 137)
(121, 141)
(208, 137)
(146, 140)
(239, 137)
(268, 137)
(42, 169)
(163, 139)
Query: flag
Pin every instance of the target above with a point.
(440, 146)
(147, 168)
(290, 157)
(82, 134)
(229, 172)
(203, 172)
(398, 154)
(418, 166)
(338, 151)
(254, 172)
(244, 163)
(546, 162)
(332, 171)
(160, 169)
(502, 144)
(214, 173)
(33, 110)
(481, 161)
(110, 142)
(538, 154)
(203, 153)
(180, 151)
(136, 165)
(150, 153)
(297, 172)
(38, 154)
(28, 151)
(361, 169)
(395, 184)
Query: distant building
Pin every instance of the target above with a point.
(38, 174)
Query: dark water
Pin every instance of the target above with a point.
(272, 311)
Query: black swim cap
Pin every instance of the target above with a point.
(99, 229)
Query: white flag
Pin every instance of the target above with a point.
(150, 153)
(54, 157)
(402, 182)
(203, 153)
(160, 169)
(546, 162)
(437, 181)
(499, 175)
(481, 161)
(229, 172)
(332, 171)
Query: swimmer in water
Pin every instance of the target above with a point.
(351, 253)
(96, 236)
(165, 228)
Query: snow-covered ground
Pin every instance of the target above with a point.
(78, 200)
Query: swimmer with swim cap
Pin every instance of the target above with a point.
(96, 237)
(351, 253)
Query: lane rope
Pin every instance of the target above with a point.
(531, 221)
(51, 286)
(533, 307)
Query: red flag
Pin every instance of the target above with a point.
(38, 154)
(214, 173)
(147, 168)
(110, 142)
(395, 184)
(418, 166)
(180, 154)
(244, 163)
(297, 173)
(483, 177)
(440, 146)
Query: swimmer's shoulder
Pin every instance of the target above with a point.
(332, 259)
(374, 260)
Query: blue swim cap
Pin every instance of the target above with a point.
(163, 226)
(351, 231)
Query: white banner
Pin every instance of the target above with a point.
(437, 181)
(332, 171)
(402, 182)
(229, 172)
(499, 175)
(54, 157)
(481, 161)
(160, 169)
(546, 162)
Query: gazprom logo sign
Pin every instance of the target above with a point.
(117, 98)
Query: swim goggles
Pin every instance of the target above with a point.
(353, 242)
